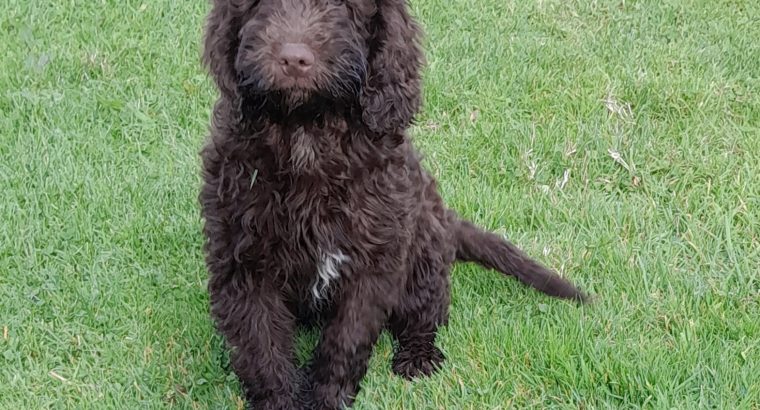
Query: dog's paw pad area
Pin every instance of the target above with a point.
(420, 362)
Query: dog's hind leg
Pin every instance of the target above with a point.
(414, 324)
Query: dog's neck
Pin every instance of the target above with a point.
(300, 147)
(311, 138)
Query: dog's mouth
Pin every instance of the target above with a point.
(339, 78)
(298, 99)
(292, 106)
(347, 85)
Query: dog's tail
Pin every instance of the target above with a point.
(493, 252)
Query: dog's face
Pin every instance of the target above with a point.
(282, 55)
(303, 49)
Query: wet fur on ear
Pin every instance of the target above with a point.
(391, 94)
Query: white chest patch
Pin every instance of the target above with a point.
(328, 271)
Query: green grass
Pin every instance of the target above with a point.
(650, 108)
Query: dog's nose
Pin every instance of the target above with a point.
(296, 59)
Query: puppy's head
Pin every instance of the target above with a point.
(276, 57)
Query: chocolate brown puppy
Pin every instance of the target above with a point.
(316, 207)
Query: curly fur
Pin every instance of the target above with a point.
(316, 207)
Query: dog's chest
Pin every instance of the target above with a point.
(328, 272)
(303, 210)
(316, 231)
(304, 152)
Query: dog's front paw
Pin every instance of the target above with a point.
(279, 403)
(312, 396)
(304, 391)
(421, 361)
(282, 400)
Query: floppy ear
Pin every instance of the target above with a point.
(391, 94)
(221, 42)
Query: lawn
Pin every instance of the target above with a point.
(617, 141)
